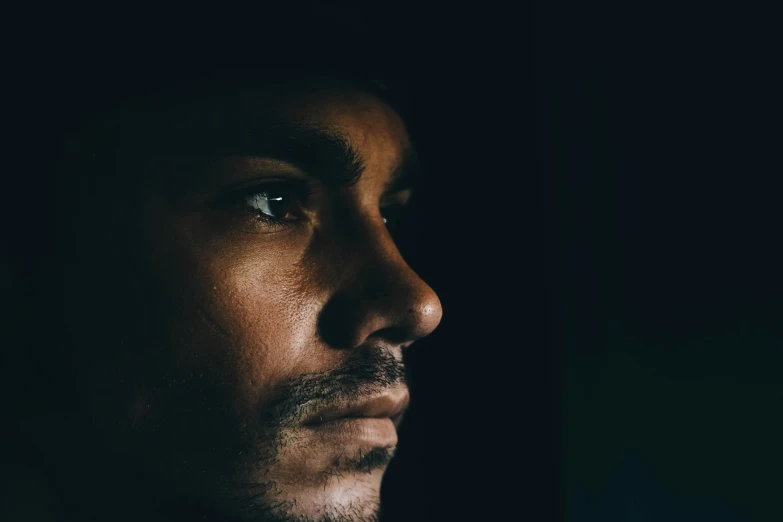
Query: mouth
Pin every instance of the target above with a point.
(373, 421)
(389, 405)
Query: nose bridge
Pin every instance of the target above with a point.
(388, 272)
(380, 295)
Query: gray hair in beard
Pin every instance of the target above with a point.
(295, 401)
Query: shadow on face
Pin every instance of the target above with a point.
(238, 308)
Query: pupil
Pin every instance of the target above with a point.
(276, 204)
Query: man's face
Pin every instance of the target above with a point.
(251, 360)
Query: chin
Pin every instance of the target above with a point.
(312, 480)
(351, 496)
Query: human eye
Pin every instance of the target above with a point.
(391, 215)
(393, 207)
(272, 204)
(277, 202)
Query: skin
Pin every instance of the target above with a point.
(216, 336)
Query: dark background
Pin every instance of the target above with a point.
(612, 331)
(480, 441)
(602, 226)
(658, 137)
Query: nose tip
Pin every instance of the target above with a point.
(426, 311)
(391, 304)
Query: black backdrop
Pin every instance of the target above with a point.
(480, 440)
(658, 137)
(613, 300)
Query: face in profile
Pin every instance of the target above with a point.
(245, 351)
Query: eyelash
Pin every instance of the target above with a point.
(237, 200)
(302, 190)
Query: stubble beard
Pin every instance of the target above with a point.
(249, 487)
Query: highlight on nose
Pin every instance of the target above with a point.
(396, 308)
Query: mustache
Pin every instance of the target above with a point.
(361, 377)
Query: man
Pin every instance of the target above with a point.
(230, 306)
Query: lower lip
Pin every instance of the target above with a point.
(375, 432)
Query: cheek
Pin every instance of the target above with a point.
(245, 318)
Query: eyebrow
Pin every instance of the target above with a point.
(321, 151)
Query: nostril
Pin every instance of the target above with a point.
(348, 320)
(337, 322)
(393, 335)
(386, 300)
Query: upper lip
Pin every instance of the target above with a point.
(390, 404)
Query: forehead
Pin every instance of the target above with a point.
(286, 121)
(369, 125)
(366, 122)
(324, 126)
(361, 116)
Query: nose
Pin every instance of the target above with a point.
(380, 299)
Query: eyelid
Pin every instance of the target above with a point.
(232, 201)
(302, 186)
(260, 181)
(398, 197)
